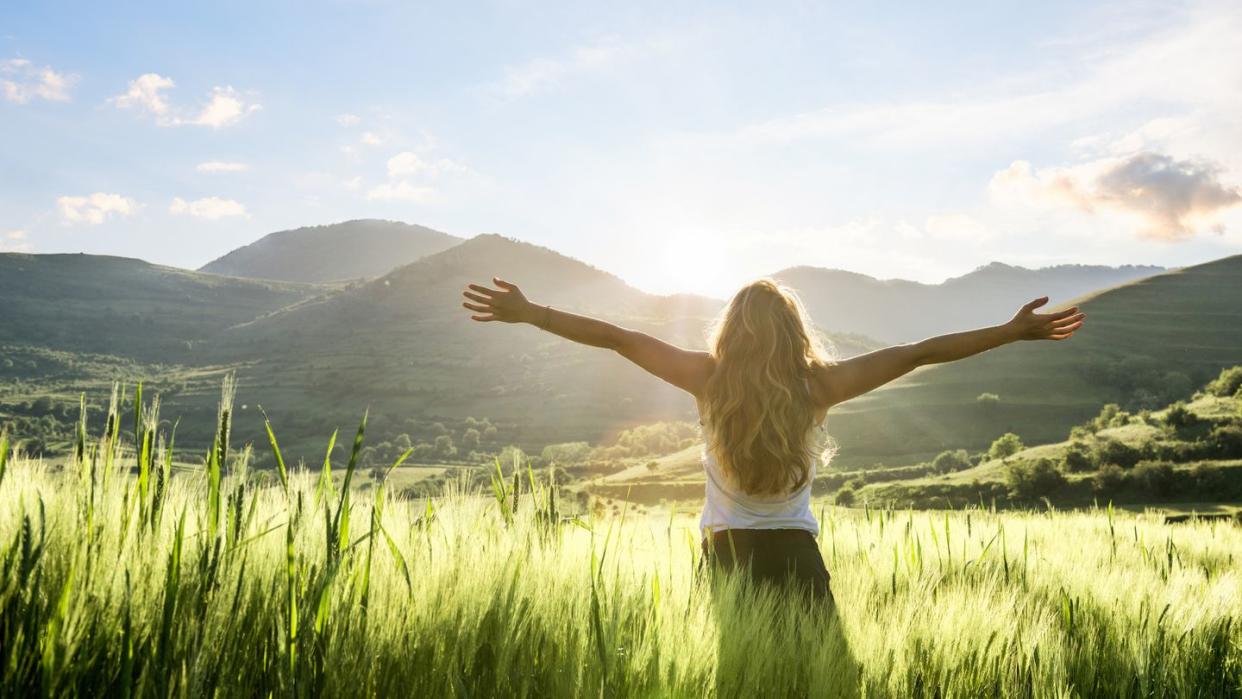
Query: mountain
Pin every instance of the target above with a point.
(402, 345)
(1146, 343)
(902, 311)
(361, 249)
(127, 307)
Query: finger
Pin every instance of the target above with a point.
(483, 319)
(477, 297)
(1068, 328)
(1069, 321)
(1062, 314)
(482, 289)
(1058, 338)
(1035, 304)
(503, 284)
(476, 307)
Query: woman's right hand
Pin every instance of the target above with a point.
(506, 303)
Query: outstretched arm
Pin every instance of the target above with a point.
(685, 369)
(858, 375)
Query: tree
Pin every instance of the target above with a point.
(653, 466)
(1079, 457)
(444, 446)
(1114, 451)
(1228, 383)
(1108, 479)
(511, 455)
(949, 461)
(1028, 480)
(1005, 446)
(470, 438)
(987, 400)
(1156, 477)
(845, 496)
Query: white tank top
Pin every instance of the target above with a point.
(727, 507)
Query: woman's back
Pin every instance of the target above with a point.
(728, 506)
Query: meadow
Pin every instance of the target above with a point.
(124, 576)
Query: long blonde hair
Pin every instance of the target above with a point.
(758, 410)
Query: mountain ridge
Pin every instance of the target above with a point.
(348, 250)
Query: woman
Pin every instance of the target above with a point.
(763, 389)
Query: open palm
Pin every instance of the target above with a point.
(506, 303)
(1029, 325)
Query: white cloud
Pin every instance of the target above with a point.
(402, 190)
(144, 94)
(405, 163)
(348, 119)
(371, 139)
(210, 208)
(14, 241)
(23, 81)
(408, 163)
(225, 106)
(214, 166)
(1171, 199)
(94, 209)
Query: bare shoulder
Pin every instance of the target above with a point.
(825, 385)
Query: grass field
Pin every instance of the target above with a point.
(121, 577)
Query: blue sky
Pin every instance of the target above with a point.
(681, 146)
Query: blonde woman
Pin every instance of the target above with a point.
(763, 389)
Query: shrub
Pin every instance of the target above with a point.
(1207, 478)
(1079, 457)
(1028, 480)
(949, 461)
(1227, 384)
(1108, 479)
(1225, 441)
(1005, 446)
(1156, 477)
(1113, 451)
(845, 496)
(1179, 416)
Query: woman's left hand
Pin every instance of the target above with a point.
(1029, 325)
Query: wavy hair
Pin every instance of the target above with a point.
(758, 411)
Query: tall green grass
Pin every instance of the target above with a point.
(118, 577)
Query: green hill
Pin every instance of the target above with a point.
(361, 249)
(127, 307)
(1145, 344)
(402, 345)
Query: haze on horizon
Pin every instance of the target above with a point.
(683, 148)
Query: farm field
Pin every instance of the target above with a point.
(124, 577)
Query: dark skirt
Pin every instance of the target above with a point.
(785, 558)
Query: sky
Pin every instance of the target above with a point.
(682, 146)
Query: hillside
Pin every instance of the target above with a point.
(1185, 457)
(361, 249)
(897, 310)
(402, 345)
(126, 307)
(1145, 343)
